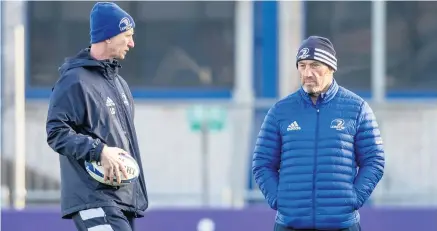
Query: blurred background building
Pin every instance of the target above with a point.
(222, 65)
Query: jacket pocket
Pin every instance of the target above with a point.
(275, 203)
(356, 200)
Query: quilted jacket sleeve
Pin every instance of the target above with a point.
(266, 158)
(369, 154)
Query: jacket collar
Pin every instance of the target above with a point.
(324, 97)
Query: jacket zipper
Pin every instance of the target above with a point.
(124, 126)
(128, 118)
(315, 165)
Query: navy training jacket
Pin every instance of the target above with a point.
(317, 164)
(91, 105)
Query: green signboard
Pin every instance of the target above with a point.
(211, 117)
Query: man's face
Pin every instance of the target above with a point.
(314, 75)
(120, 44)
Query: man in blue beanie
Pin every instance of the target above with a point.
(319, 153)
(91, 118)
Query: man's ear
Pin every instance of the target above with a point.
(108, 41)
(331, 70)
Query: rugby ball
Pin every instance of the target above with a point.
(97, 172)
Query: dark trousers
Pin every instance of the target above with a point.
(103, 219)
(355, 227)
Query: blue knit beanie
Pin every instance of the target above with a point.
(318, 48)
(107, 20)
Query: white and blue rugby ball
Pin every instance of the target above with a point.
(97, 172)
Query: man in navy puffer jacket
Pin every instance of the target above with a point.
(319, 153)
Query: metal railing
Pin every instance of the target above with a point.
(173, 156)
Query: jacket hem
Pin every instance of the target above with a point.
(68, 213)
(342, 225)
